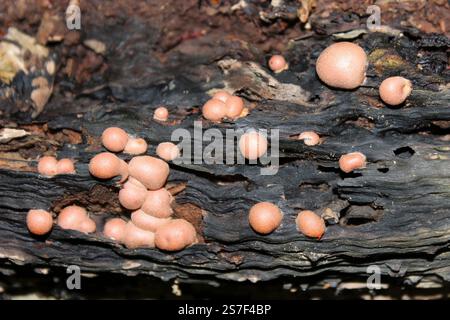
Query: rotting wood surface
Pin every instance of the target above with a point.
(394, 214)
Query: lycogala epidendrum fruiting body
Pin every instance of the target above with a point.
(135, 237)
(265, 217)
(76, 218)
(47, 166)
(161, 114)
(65, 166)
(131, 196)
(342, 65)
(39, 222)
(234, 107)
(253, 145)
(310, 224)
(150, 171)
(395, 90)
(148, 222)
(175, 235)
(114, 139)
(352, 161)
(167, 151)
(214, 110)
(277, 63)
(310, 138)
(136, 146)
(221, 95)
(105, 165)
(114, 229)
(157, 203)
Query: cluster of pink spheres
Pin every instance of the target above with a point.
(143, 192)
(223, 106)
(342, 65)
(161, 114)
(265, 217)
(48, 166)
(40, 222)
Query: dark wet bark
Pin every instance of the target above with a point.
(394, 214)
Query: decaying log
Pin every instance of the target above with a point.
(394, 214)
